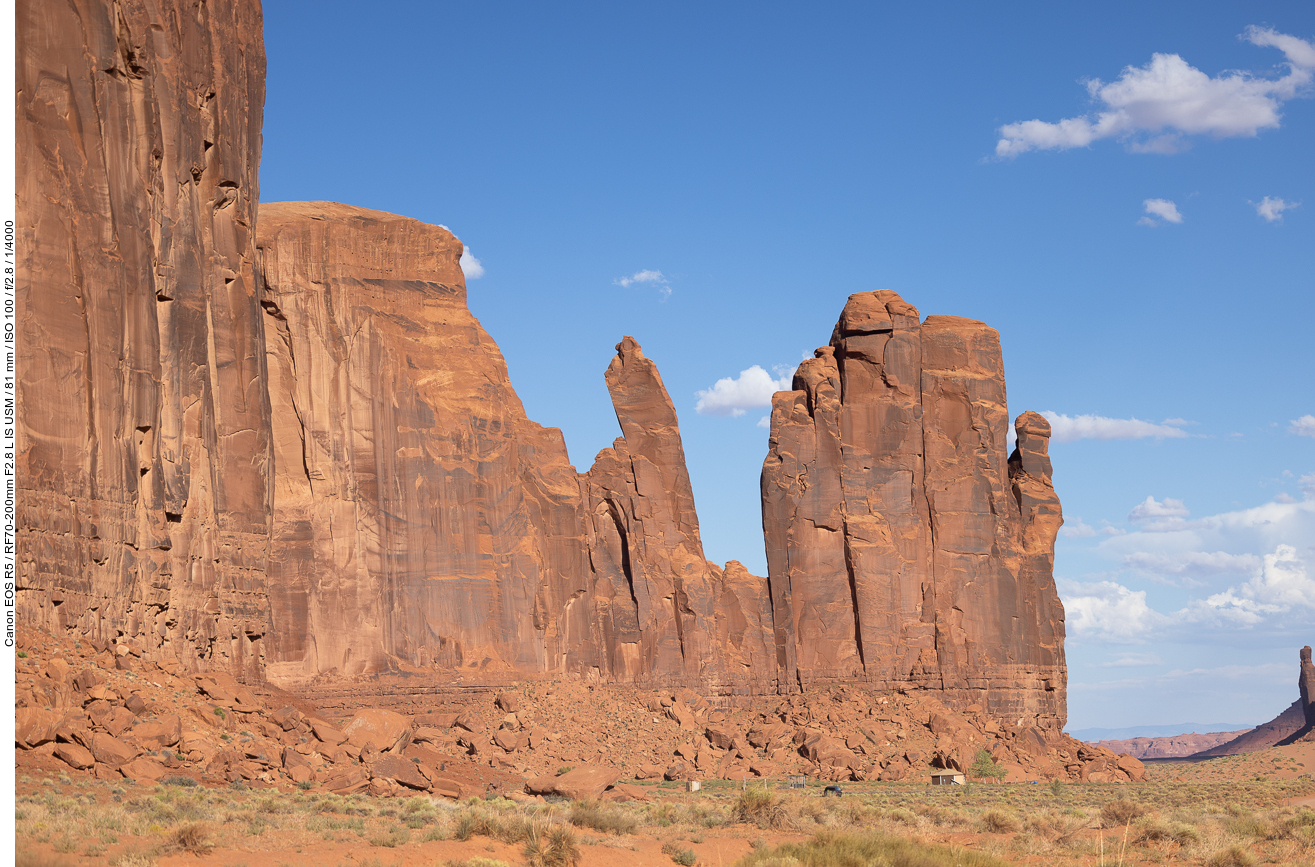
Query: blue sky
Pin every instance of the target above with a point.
(716, 181)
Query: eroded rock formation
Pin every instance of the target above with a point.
(294, 454)
(646, 553)
(1306, 683)
(144, 454)
(423, 524)
(421, 521)
(903, 547)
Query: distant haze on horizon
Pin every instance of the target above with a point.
(1125, 192)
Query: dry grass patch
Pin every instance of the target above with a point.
(861, 850)
(598, 817)
(762, 808)
(551, 846)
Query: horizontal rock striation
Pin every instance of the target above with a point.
(904, 548)
(143, 435)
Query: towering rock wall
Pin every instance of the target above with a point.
(311, 462)
(903, 547)
(422, 524)
(143, 438)
(421, 521)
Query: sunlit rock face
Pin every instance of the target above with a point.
(422, 524)
(421, 521)
(905, 547)
(275, 442)
(144, 457)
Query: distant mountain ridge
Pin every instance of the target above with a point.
(1092, 735)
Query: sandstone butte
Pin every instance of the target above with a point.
(903, 546)
(273, 443)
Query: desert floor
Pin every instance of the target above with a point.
(1241, 810)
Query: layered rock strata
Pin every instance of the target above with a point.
(904, 548)
(143, 435)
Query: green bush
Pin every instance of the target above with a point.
(683, 857)
(985, 767)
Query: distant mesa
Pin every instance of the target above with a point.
(1294, 725)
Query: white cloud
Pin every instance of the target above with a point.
(1272, 209)
(1199, 562)
(1066, 429)
(1154, 107)
(470, 266)
(1304, 426)
(1075, 528)
(654, 278)
(1108, 611)
(1307, 485)
(765, 422)
(752, 389)
(1132, 660)
(1152, 508)
(1162, 208)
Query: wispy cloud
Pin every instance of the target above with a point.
(1272, 208)
(1152, 508)
(653, 278)
(470, 266)
(1067, 429)
(1154, 108)
(1132, 660)
(1076, 528)
(1162, 208)
(1303, 427)
(752, 389)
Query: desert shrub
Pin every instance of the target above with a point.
(1000, 822)
(133, 858)
(857, 850)
(1249, 827)
(1298, 827)
(1056, 826)
(596, 816)
(1233, 856)
(762, 808)
(551, 846)
(683, 857)
(1116, 814)
(179, 780)
(903, 816)
(391, 838)
(193, 838)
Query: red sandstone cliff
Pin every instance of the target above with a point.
(306, 460)
(420, 519)
(144, 455)
(903, 547)
(422, 524)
